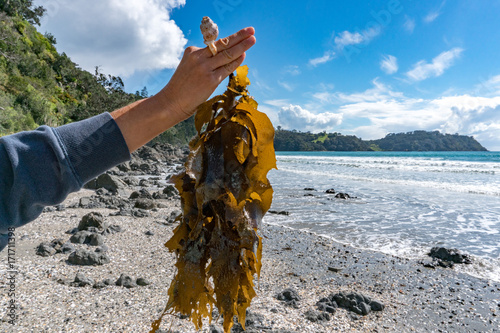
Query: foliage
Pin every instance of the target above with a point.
(224, 195)
(299, 141)
(39, 86)
(24, 9)
(411, 141)
(428, 141)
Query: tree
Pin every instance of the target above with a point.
(23, 8)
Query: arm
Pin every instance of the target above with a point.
(196, 78)
(41, 167)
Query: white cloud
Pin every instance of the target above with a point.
(286, 85)
(328, 56)
(389, 64)
(431, 17)
(292, 70)
(295, 117)
(122, 37)
(388, 111)
(352, 38)
(409, 24)
(423, 70)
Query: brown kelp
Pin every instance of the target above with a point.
(224, 195)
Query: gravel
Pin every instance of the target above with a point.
(411, 297)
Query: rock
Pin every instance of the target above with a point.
(131, 181)
(112, 229)
(140, 213)
(109, 182)
(57, 244)
(354, 302)
(89, 203)
(288, 295)
(146, 204)
(143, 282)
(108, 282)
(101, 249)
(87, 258)
(144, 182)
(377, 306)
(45, 249)
(102, 192)
(283, 212)
(309, 189)
(315, 316)
(67, 248)
(215, 329)
(99, 285)
(149, 233)
(334, 269)
(170, 191)
(93, 219)
(451, 255)
(82, 281)
(342, 196)
(330, 191)
(80, 237)
(72, 231)
(142, 193)
(125, 281)
(309, 195)
(95, 239)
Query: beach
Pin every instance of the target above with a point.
(311, 266)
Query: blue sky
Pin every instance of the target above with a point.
(366, 68)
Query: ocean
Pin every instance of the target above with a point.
(405, 202)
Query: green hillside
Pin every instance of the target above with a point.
(39, 86)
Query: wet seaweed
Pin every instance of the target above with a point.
(224, 195)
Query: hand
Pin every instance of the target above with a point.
(199, 73)
(197, 76)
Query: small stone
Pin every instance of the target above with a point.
(72, 231)
(67, 248)
(377, 306)
(93, 219)
(143, 282)
(126, 281)
(82, 281)
(108, 282)
(334, 269)
(342, 196)
(99, 285)
(149, 233)
(87, 258)
(288, 295)
(146, 204)
(57, 244)
(215, 329)
(112, 229)
(101, 249)
(45, 250)
(80, 237)
(95, 239)
(170, 191)
(330, 191)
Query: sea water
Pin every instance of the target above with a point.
(406, 202)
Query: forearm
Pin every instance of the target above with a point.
(143, 120)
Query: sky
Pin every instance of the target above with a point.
(364, 68)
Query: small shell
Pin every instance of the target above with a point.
(209, 30)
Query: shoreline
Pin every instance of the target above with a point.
(53, 295)
(415, 298)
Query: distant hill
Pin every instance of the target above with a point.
(412, 141)
(39, 86)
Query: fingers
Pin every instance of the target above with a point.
(228, 42)
(230, 54)
(222, 72)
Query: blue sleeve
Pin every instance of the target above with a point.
(41, 167)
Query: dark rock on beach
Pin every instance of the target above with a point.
(93, 219)
(87, 258)
(342, 196)
(45, 249)
(330, 191)
(316, 316)
(126, 281)
(450, 255)
(290, 297)
(111, 183)
(354, 302)
(282, 212)
(82, 281)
